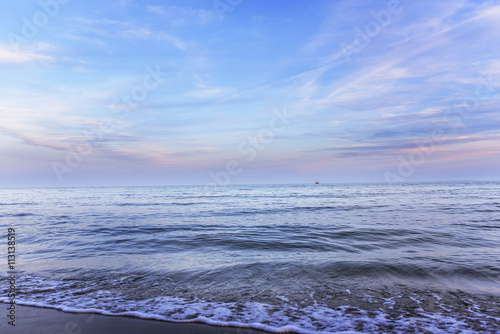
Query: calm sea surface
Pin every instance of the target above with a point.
(416, 257)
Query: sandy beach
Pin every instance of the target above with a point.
(31, 320)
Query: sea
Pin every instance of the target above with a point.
(301, 258)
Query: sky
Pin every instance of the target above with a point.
(129, 92)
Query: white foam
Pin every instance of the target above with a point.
(332, 320)
(390, 302)
(279, 318)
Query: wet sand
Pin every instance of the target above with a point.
(35, 320)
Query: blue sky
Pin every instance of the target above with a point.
(248, 91)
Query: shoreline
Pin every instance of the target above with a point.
(41, 320)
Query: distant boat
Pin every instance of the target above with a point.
(317, 182)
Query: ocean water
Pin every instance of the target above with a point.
(328, 258)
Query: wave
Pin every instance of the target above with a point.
(395, 310)
(22, 214)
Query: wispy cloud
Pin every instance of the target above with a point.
(28, 56)
(102, 21)
(88, 40)
(155, 9)
(147, 34)
(180, 16)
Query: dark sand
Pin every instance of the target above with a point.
(35, 320)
